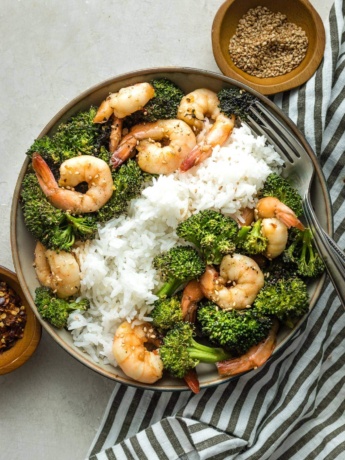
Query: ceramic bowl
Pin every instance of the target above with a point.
(23, 348)
(299, 12)
(23, 244)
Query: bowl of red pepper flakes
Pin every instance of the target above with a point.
(20, 331)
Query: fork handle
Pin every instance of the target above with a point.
(339, 252)
(332, 262)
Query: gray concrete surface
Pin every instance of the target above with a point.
(50, 52)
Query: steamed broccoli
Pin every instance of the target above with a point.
(303, 254)
(281, 188)
(77, 136)
(285, 298)
(177, 266)
(180, 352)
(251, 240)
(166, 313)
(55, 310)
(129, 180)
(56, 229)
(211, 232)
(235, 101)
(162, 106)
(233, 330)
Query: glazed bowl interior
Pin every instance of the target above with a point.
(23, 243)
(299, 12)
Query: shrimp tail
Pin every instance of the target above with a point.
(191, 379)
(255, 357)
(196, 155)
(124, 151)
(115, 134)
(289, 219)
(104, 112)
(44, 175)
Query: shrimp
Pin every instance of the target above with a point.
(272, 207)
(155, 157)
(125, 102)
(237, 283)
(198, 105)
(192, 294)
(277, 235)
(115, 134)
(83, 168)
(130, 352)
(255, 357)
(57, 270)
(194, 109)
(246, 217)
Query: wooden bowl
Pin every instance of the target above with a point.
(23, 349)
(299, 12)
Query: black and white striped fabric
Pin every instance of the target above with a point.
(293, 407)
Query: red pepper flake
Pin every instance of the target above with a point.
(12, 317)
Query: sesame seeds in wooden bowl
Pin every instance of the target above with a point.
(270, 45)
(20, 331)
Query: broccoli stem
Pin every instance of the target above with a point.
(207, 354)
(168, 288)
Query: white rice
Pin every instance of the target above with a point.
(116, 267)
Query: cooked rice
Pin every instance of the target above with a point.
(116, 267)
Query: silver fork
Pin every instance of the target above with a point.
(300, 169)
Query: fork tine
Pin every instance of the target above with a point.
(274, 121)
(282, 148)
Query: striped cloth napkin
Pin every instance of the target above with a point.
(293, 407)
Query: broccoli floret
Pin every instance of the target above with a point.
(303, 254)
(278, 269)
(177, 266)
(281, 188)
(55, 310)
(287, 299)
(166, 313)
(56, 229)
(129, 180)
(235, 101)
(251, 240)
(180, 352)
(162, 106)
(77, 136)
(234, 330)
(211, 232)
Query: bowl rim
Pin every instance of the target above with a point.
(77, 353)
(24, 348)
(289, 82)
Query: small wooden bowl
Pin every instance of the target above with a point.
(299, 12)
(24, 347)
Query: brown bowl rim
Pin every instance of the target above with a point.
(142, 73)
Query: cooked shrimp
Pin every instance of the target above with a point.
(272, 207)
(130, 352)
(255, 357)
(83, 168)
(237, 283)
(198, 105)
(125, 102)
(246, 216)
(155, 157)
(277, 235)
(57, 270)
(195, 108)
(192, 294)
(115, 134)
